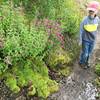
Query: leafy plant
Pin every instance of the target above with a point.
(16, 31)
(36, 83)
(71, 18)
(24, 45)
(57, 56)
(97, 69)
(12, 83)
(3, 67)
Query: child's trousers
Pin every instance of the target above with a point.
(87, 48)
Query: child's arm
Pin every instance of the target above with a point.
(98, 19)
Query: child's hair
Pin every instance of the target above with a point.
(95, 15)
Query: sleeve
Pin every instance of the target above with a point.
(98, 19)
(81, 31)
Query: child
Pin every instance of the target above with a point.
(88, 31)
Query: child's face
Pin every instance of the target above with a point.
(91, 13)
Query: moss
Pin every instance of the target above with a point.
(53, 86)
(40, 67)
(21, 80)
(97, 82)
(46, 86)
(31, 90)
(36, 82)
(39, 80)
(3, 68)
(97, 69)
(65, 71)
(12, 83)
(19, 76)
(42, 88)
(40, 83)
(57, 56)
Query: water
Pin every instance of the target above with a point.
(89, 93)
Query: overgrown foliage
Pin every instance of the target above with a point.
(97, 71)
(31, 31)
(30, 76)
(20, 61)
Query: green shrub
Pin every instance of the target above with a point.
(40, 67)
(21, 62)
(19, 41)
(25, 45)
(57, 56)
(3, 67)
(26, 75)
(71, 18)
(97, 69)
(97, 82)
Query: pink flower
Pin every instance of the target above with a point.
(62, 46)
(49, 26)
(57, 25)
(58, 35)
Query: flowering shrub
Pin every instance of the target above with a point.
(24, 46)
(20, 61)
(71, 18)
(19, 42)
(54, 30)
